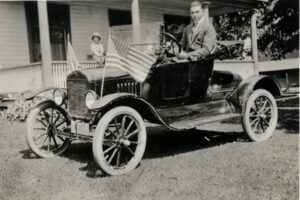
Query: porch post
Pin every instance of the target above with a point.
(45, 44)
(135, 17)
(254, 41)
(135, 12)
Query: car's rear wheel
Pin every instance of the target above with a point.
(260, 115)
(119, 140)
(43, 124)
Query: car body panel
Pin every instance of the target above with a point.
(146, 110)
(171, 117)
(178, 83)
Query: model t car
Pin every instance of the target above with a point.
(177, 95)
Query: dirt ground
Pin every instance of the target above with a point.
(175, 166)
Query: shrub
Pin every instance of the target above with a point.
(21, 108)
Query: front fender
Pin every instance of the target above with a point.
(110, 99)
(42, 103)
(144, 108)
(39, 91)
(240, 95)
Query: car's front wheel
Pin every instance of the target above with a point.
(119, 140)
(43, 125)
(260, 115)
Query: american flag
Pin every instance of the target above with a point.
(71, 57)
(128, 59)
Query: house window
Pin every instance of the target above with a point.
(119, 17)
(59, 27)
(175, 24)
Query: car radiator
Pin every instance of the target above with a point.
(76, 90)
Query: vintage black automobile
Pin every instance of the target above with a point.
(179, 96)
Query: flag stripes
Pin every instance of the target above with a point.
(143, 56)
(128, 59)
(136, 71)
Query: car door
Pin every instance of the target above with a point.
(175, 83)
(200, 73)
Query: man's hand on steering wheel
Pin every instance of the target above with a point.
(182, 55)
(169, 46)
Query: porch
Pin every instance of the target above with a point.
(28, 77)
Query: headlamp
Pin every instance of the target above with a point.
(90, 98)
(59, 96)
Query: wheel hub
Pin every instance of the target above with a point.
(123, 141)
(262, 115)
(50, 130)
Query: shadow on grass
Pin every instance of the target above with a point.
(288, 120)
(160, 143)
(28, 154)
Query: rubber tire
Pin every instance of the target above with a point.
(29, 127)
(98, 135)
(246, 123)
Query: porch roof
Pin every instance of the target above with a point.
(216, 7)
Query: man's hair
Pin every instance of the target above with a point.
(196, 3)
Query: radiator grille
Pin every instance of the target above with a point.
(76, 90)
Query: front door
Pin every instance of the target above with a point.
(59, 27)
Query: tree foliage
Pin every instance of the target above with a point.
(233, 26)
(278, 27)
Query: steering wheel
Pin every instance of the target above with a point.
(173, 40)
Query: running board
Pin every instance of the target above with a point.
(288, 97)
(197, 122)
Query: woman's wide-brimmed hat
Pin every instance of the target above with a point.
(96, 34)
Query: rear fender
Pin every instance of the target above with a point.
(240, 95)
(145, 109)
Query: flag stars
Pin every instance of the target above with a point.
(121, 47)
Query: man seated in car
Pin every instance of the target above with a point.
(199, 37)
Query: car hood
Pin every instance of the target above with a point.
(94, 74)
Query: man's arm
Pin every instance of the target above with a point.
(183, 40)
(207, 46)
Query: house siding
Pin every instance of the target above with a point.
(150, 12)
(13, 34)
(87, 18)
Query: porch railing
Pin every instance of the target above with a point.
(28, 77)
(60, 70)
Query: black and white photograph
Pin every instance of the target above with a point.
(149, 99)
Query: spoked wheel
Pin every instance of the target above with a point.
(260, 115)
(119, 140)
(43, 124)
